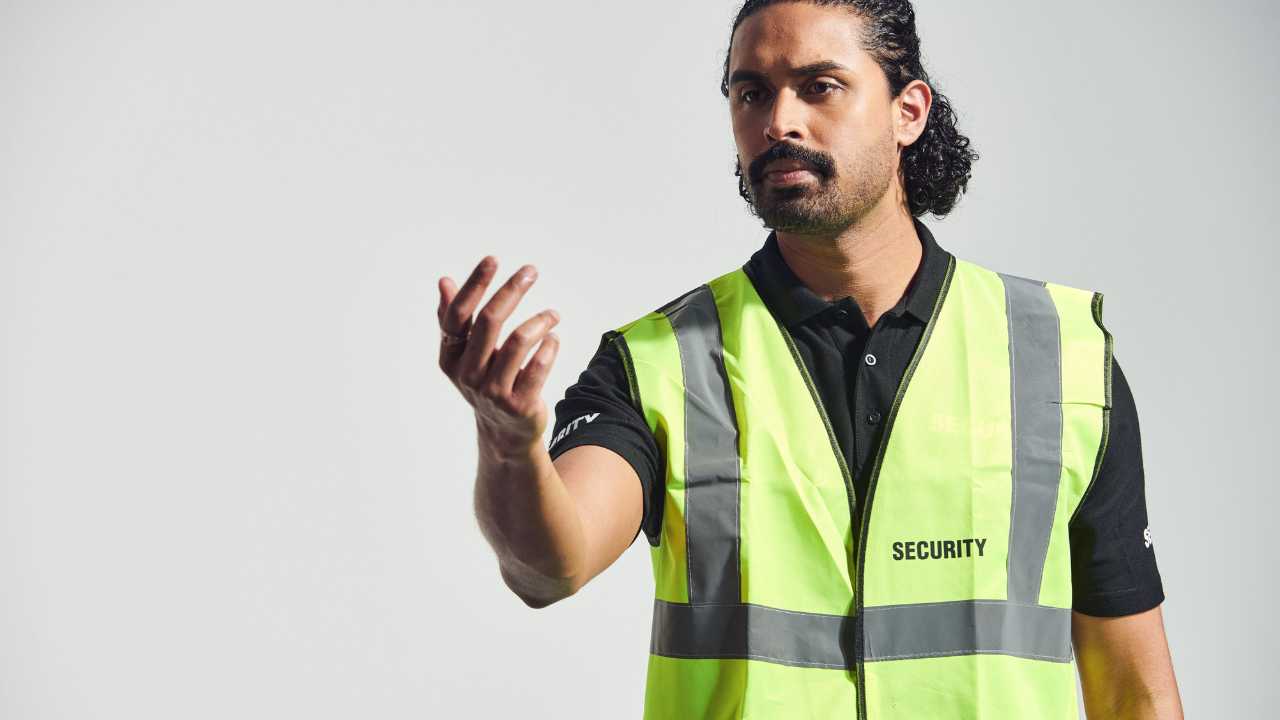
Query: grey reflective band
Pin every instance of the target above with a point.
(1036, 389)
(716, 624)
(743, 630)
(710, 451)
(890, 632)
(967, 627)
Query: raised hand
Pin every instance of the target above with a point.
(507, 397)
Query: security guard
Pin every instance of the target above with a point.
(877, 480)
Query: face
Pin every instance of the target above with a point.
(813, 119)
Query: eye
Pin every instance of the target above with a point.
(821, 83)
(746, 95)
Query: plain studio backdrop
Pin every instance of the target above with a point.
(234, 481)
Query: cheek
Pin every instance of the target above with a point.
(746, 133)
(857, 116)
(866, 141)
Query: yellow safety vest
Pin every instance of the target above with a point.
(953, 598)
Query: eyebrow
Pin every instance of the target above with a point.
(802, 71)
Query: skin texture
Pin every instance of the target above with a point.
(850, 234)
(1126, 671)
(552, 527)
(844, 228)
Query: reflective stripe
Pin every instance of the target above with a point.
(710, 451)
(715, 624)
(743, 630)
(891, 632)
(1036, 389)
(966, 627)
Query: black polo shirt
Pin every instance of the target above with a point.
(857, 371)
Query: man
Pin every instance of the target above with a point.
(878, 481)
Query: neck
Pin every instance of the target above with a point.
(872, 260)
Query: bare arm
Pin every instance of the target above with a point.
(553, 526)
(556, 525)
(1126, 671)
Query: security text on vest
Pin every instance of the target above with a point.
(938, 549)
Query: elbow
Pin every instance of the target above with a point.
(1148, 706)
(541, 594)
(536, 602)
(1130, 698)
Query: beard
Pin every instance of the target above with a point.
(833, 203)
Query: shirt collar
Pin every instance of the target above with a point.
(794, 303)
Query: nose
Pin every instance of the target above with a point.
(786, 118)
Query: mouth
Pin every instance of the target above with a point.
(787, 177)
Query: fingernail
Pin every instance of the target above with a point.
(554, 315)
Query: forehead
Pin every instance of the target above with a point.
(792, 34)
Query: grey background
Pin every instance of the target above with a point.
(233, 481)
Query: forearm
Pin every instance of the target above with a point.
(1137, 702)
(1134, 706)
(529, 518)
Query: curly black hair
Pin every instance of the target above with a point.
(936, 168)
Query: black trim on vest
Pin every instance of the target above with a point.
(875, 475)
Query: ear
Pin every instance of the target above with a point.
(911, 112)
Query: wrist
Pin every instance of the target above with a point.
(505, 446)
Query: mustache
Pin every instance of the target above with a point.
(819, 162)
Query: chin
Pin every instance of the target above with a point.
(803, 218)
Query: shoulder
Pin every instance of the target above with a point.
(701, 298)
(1078, 309)
(1053, 286)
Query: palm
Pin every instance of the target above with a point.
(507, 396)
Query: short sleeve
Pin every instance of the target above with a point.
(1113, 562)
(602, 408)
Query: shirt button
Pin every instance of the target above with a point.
(873, 418)
(871, 359)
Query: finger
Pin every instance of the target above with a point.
(449, 351)
(448, 291)
(457, 315)
(474, 365)
(528, 384)
(508, 359)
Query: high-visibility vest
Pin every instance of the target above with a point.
(953, 597)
